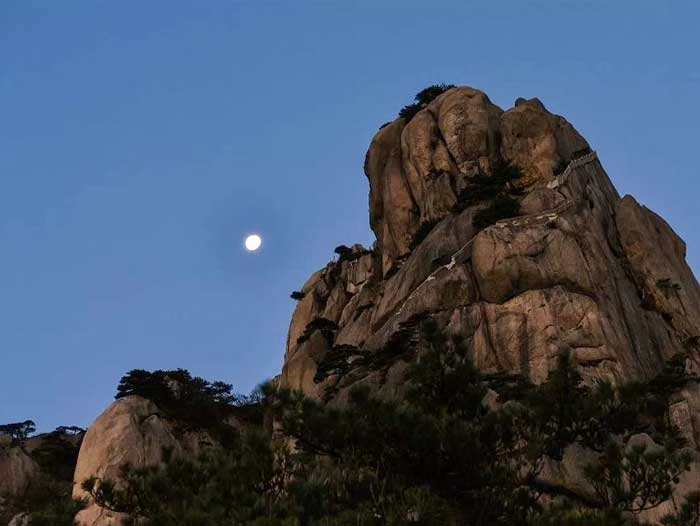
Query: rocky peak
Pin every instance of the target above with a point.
(418, 170)
(504, 227)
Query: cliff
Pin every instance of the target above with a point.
(567, 267)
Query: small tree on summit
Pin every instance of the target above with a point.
(422, 99)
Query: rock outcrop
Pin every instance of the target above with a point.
(17, 470)
(577, 269)
(417, 169)
(130, 431)
(33, 466)
(573, 269)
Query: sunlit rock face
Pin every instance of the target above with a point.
(572, 268)
(130, 431)
(576, 269)
(417, 170)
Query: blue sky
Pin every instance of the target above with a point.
(140, 142)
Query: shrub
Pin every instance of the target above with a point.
(297, 295)
(636, 479)
(350, 254)
(192, 401)
(342, 250)
(503, 207)
(580, 153)
(667, 284)
(57, 456)
(560, 168)
(496, 190)
(409, 111)
(483, 187)
(422, 99)
(423, 230)
(50, 503)
(327, 327)
(336, 361)
(427, 95)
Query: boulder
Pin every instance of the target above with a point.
(130, 431)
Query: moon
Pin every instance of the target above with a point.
(253, 242)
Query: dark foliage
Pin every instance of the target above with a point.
(503, 207)
(667, 284)
(328, 329)
(57, 455)
(50, 503)
(423, 230)
(342, 250)
(427, 95)
(409, 111)
(689, 513)
(348, 254)
(337, 361)
(560, 168)
(297, 295)
(496, 191)
(692, 343)
(439, 456)
(484, 187)
(637, 478)
(18, 431)
(580, 153)
(422, 99)
(192, 401)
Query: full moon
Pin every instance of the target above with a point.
(253, 242)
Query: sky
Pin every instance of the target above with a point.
(141, 141)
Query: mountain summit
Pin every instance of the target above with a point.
(504, 227)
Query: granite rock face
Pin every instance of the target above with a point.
(130, 431)
(17, 470)
(417, 170)
(577, 269)
(23, 470)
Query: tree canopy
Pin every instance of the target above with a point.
(438, 456)
(18, 431)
